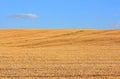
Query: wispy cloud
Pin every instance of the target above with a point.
(117, 24)
(27, 15)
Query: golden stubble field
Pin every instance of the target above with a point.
(59, 54)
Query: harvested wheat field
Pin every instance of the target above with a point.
(59, 54)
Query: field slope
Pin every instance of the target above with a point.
(59, 54)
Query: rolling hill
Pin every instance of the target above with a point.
(59, 54)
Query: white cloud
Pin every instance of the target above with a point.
(117, 24)
(29, 15)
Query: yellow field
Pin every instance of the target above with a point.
(59, 54)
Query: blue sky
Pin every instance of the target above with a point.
(100, 14)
